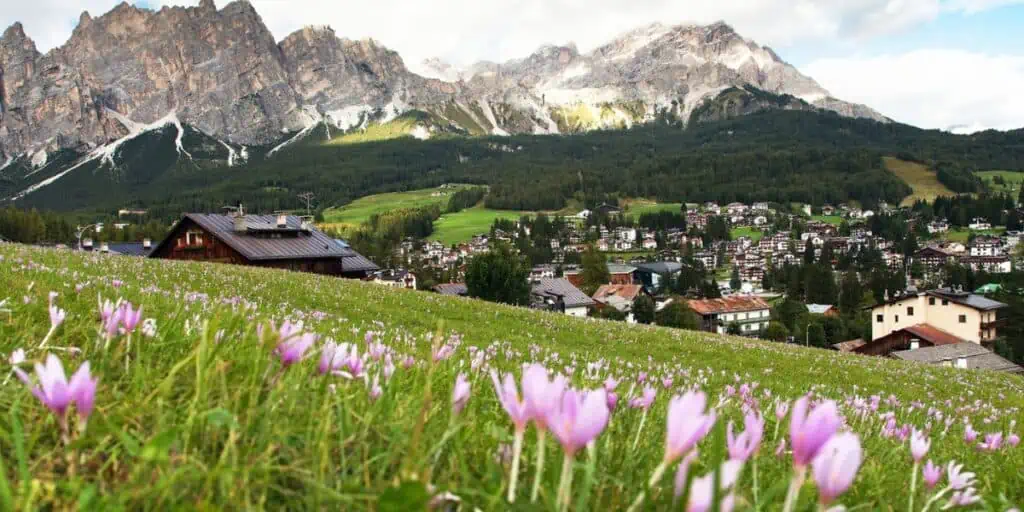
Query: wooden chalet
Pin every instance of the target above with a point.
(275, 241)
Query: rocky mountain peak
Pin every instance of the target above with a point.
(15, 32)
(207, 5)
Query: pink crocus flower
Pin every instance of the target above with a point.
(460, 394)
(808, 432)
(702, 490)
(541, 394)
(375, 391)
(963, 498)
(970, 435)
(293, 349)
(408, 362)
(130, 317)
(610, 384)
(781, 410)
(919, 444)
(17, 357)
(57, 316)
(578, 419)
(687, 424)
(836, 465)
(57, 393)
(667, 382)
(958, 479)
(613, 400)
(644, 402)
(741, 447)
(332, 357)
(932, 474)
(1013, 440)
(508, 396)
(992, 442)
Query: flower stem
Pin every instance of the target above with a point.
(565, 483)
(540, 465)
(517, 449)
(935, 498)
(794, 488)
(757, 504)
(655, 478)
(643, 419)
(913, 486)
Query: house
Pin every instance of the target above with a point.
(620, 297)
(938, 226)
(979, 224)
(943, 316)
(396, 279)
(1011, 239)
(932, 257)
(759, 207)
(960, 355)
(985, 246)
(736, 208)
(620, 274)
(828, 210)
(140, 249)
(282, 241)
(650, 243)
(560, 296)
(760, 220)
(543, 271)
(822, 309)
(990, 264)
(751, 313)
(849, 345)
(653, 275)
(452, 289)
(583, 215)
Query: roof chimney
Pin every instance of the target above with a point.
(961, 362)
(239, 223)
(147, 243)
(282, 220)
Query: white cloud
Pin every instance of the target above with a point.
(464, 31)
(932, 88)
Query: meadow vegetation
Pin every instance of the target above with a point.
(210, 394)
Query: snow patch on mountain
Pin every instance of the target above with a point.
(10, 160)
(311, 118)
(485, 106)
(39, 158)
(351, 117)
(437, 69)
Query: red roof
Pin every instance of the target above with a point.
(933, 335)
(626, 291)
(727, 305)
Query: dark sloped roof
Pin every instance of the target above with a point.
(661, 267)
(451, 289)
(977, 357)
(129, 248)
(971, 300)
(572, 296)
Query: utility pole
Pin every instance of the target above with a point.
(307, 197)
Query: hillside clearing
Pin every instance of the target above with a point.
(201, 410)
(1012, 181)
(359, 211)
(455, 228)
(920, 178)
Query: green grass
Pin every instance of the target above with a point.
(753, 233)
(835, 220)
(203, 416)
(638, 207)
(1012, 179)
(923, 180)
(360, 210)
(962, 235)
(454, 228)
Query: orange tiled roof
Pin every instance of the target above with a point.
(727, 305)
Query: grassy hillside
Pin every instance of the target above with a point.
(1011, 181)
(360, 210)
(454, 228)
(201, 413)
(920, 178)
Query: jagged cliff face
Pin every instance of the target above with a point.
(223, 73)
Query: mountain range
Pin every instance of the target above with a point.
(221, 73)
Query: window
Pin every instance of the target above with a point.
(879, 318)
(931, 301)
(910, 311)
(945, 302)
(897, 319)
(193, 238)
(963, 319)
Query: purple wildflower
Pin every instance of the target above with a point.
(743, 446)
(578, 419)
(460, 395)
(836, 465)
(687, 424)
(808, 432)
(932, 474)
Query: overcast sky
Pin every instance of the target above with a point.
(947, 64)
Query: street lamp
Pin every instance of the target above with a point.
(81, 231)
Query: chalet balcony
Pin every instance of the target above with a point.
(995, 324)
